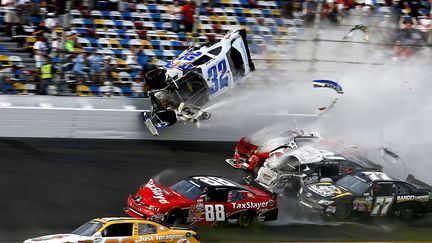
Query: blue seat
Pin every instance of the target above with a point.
(279, 22)
(182, 36)
(158, 25)
(155, 16)
(159, 54)
(152, 8)
(118, 24)
(106, 14)
(255, 29)
(88, 23)
(126, 90)
(126, 15)
(102, 4)
(122, 34)
(266, 12)
(155, 44)
(245, 3)
(124, 43)
(274, 30)
(241, 20)
(82, 31)
(88, 49)
(8, 89)
(238, 11)
(93, 42)
(95, 90)
(35, 20)
(118, 53)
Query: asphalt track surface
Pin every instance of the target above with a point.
(54, 185)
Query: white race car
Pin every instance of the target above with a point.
(179, 89)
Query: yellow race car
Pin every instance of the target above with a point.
(121, 230)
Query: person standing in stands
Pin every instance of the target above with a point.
(188, 12)
(95, 61)
(47, 71)
(40, 51)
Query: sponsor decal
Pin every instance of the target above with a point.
(331, 209)
(423, 198)
(157, 192)
(252, 205)
(160, 237)
(305, 204)
(325, 190)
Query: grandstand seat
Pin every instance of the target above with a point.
(96, 14)
(77, 23)
(126, 90)
(83, 90)
(75, 14)
(117, 91)
(88, 23)
(128, 25)
(5, 61)
(124, 43)
(114, 43)
(105, 52)
(20, 88)
(142, 8)
(95, 90)
(8, 89)
(16, 60)
(83, 42)
(103, 43)
(35, 20)
(126, 15)
(109, 24)
(116, 15)
(99, 23)
(106, 15)
(124, 78)
(30, 88)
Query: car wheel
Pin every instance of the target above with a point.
(407, 212)
(343, 209)
(156, 78)
(246, 218)
(174, 217)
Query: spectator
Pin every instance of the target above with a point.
(174, 12)
(42, 30)
(47, 71)
(137, 87)
(70, 41)
(112, 5)
(78, 67)
(43, 9)
(309, 11)
(143, 60)
(407, 37)
(188, 11)
(40, 51)
(132, 62)
(109, 67)
(95, 61)
(56, 46)
(425, 25)
(51, 22)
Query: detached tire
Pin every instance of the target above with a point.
(407, 212)
(246, 218)
(343, 210)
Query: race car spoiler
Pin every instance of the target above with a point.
(413, 180)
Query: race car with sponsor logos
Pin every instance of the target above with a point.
(286, 172)
(179, 89)
(250, 153)
(121, 230)
(367, 193)
(202, 200)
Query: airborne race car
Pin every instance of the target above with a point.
(305, 165)
(366, 193)
(114, 230)
(179, 89)
(202, 200)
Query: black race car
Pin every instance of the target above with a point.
(367, 193)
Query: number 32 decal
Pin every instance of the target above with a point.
(216, 74)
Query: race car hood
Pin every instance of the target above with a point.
(258, 192)
(57, 238)
(155, 194)
(327, 190)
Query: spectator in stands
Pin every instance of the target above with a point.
(188, 11)
(425, 25)
(287, 9)
(15, 14)
(56, 46)
(408, 37)
(95, 61)
(42, 30)
(143, 60)
(51, 22)
(333, 13)
(309, 12)
(40, 51)
(109, 67)
(174, 12)
(78, 67)
(71, 41)
(137, 87)
(132, 62)
(47, 71)
(43, 10)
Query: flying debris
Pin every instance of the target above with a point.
(361, 27)
(328, 84)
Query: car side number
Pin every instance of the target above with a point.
(216, 74)
(381, 206)
(214, 212)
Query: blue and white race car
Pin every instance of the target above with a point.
(179, 89)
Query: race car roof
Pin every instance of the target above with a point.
(210, 181)
(372, 176)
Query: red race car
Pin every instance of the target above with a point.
(248, 155)
(202, 200)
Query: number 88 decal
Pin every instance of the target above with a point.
(214, 212)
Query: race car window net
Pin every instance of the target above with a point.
(88, 229)
(203, 59)
(115, 230)
(187, 189)
(353, 184)
(215, 51)
(217, 196)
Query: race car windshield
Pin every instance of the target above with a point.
(187, 189)
(88, 229)
(353, 184)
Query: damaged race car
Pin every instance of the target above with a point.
(368, 193)
(202, 200)
(249, 155)
(286, 172)
(180, 89)
(117, 229)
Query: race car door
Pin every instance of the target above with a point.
(384, 197)
(118, 233)
(216, 207)
(147, 232)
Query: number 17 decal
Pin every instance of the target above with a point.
(216, 74)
